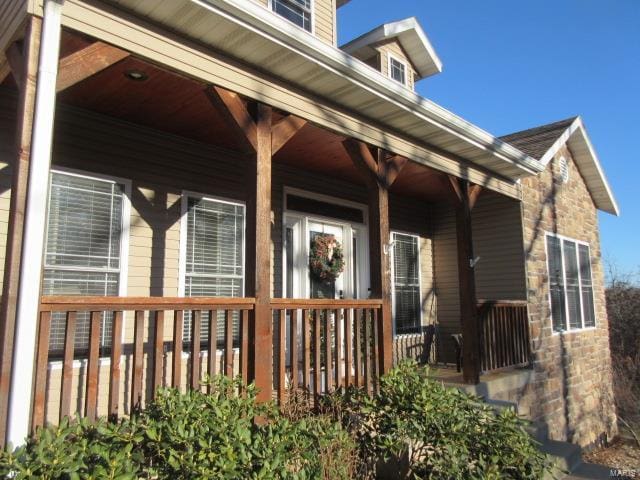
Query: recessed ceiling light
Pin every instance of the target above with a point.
(136, 75)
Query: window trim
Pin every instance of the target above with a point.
(582, 328)
(124, 234)
(182, 252)
(392, 233)
(403, 63)
(312, 11)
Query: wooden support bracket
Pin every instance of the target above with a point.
(383, 168)
(236, 116)
(285, 130)
(84, 63)
(16, 62)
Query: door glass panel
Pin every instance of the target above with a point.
(320, 288)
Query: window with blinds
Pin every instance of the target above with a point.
(214, 257)
(406, 283)
(570, 284)
(296, 11)
(83, 248)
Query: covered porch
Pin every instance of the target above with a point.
(166, 144)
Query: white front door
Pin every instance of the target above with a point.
(299, 282)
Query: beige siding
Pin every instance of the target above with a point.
(500, 273)
(12, 14)
(324, 19)
(393, 47)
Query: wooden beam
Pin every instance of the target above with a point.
(235, 113)
(84, 63)
(285, 130)
(385, 170)
(474, 194)
(20, 174)
(16, 62)
(258, 256)
(471, 332)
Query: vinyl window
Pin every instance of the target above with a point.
(397, 70)
(406, 283)
(296, 11)
(83, 248)
(570, 284)
(213, 256)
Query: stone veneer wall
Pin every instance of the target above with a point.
(571, 390)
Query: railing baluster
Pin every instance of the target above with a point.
(196, 335)
(138, 358)
(357, 332)
(228, 347)
(282, 350)
(91, 401)
(114, 374)
(306, 350)
(367, 366)
(293, 342)
(178, 325)
(44, 328)
(244, 346)
(328, 374)
(348, 340)
(213, 342)
(67, 365)
(317, 345)
(338, 335)
(158, 352)
(375, 348)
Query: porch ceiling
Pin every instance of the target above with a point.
(178, 105)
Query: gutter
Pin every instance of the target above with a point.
(252, 16)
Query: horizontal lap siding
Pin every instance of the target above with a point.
(12, 13)
(500, 274)
(393, 47)
(323, 16)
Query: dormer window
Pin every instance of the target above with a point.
(397, 70)
(296, 11)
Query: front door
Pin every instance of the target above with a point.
(299, 281)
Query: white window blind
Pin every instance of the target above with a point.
(82, 250)
(570, 284)
(406, 283)
(397, 71)
(214, 256)
(296, 11)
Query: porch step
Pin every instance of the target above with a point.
(565, 457)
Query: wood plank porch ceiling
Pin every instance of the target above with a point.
(172, 103)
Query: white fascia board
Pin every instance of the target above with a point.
(255, 17)
(576, 132)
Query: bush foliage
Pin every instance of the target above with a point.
(414, 428)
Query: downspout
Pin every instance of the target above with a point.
(23, 372)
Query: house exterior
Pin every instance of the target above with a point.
(196, 187)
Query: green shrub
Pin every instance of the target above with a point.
(418, 428)
(189, 436)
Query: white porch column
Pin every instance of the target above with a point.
(21, 392)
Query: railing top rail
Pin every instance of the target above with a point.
(324, 303)
(81, 303)
(502, 303)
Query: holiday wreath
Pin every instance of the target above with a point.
(326, 260)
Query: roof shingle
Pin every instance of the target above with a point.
(536, 141)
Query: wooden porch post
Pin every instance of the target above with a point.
(20, 174)
(465, 197)
(258, 262)
(379, 172)
(30, 270)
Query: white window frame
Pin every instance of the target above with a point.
(392, 234)
(289, 217)
(124, 237)
(312, 11)
(182, 268)
(582, 328)
(391, 56)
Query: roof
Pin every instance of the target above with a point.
(543, 142)
(412, 39)
(342, 2)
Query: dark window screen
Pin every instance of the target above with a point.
(330, 210)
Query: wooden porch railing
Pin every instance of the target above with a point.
(505, 334)
(318, 346)
(331, 344)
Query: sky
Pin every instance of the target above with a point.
(511, 65)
